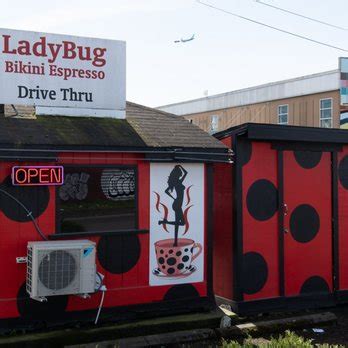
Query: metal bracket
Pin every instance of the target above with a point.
(40, 299)
(84, 296)
(21, 259)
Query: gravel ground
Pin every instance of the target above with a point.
(334, 334)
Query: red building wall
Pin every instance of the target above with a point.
(130, 287)
(260, 222)
(342, 160)
(283, 200)
(222, 241)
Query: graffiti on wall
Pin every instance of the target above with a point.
(118, 183)
(75, 186)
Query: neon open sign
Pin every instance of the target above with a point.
(37, 175)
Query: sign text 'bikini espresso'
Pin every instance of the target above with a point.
(61, 71)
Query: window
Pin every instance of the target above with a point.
(283, 114)
(326, 113)
(97, 199)
(214, 123)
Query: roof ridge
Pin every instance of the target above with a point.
(140, 106)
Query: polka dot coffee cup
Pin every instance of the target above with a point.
(175, 261)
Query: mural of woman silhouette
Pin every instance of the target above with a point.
(175, 183)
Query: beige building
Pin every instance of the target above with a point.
(312, 100)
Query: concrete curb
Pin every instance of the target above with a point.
(59, 338)
(177, 329)
(273, 326)
(179, 337)
(241, 330)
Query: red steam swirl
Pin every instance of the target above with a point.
(165, 210)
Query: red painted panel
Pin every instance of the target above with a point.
(11, 273)
(227, 141)
(144, 221)
(342, 159)
(260, 237)
(306, 254)
(129, 288)
(13, 241)
(222, 240)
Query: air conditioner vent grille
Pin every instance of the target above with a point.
(58, 268)
(29, 269)
(64, 267)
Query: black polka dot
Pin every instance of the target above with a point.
(304, 223)
(343, 172)
(185, 258)
(186, 250)
(34, 310)
(34, 198)
(161, 251)
(178, 253)
(244, 151)
(307, 159)
(180, 292)
(315, 284)
(170, 270)
(262, 200)
(119, 254)
(255, 272)
(161, 260)
(170, 251)
(171, 261)
(180, 266)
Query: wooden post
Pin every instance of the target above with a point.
(2, 110)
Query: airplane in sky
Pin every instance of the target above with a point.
(185, 40)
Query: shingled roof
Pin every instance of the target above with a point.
(161, 129)
(143, 127)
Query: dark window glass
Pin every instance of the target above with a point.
(97, 199)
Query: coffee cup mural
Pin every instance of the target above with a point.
(175, 256)
(176, 260)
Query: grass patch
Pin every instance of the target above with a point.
(288, 340)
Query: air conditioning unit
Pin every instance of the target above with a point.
(60, 268)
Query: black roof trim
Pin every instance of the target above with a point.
(113, 149)
(272, 132)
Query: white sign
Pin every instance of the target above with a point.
(62, 71)
(176, 223)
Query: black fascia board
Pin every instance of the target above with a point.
(270, 132)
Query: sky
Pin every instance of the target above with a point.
(227, 54)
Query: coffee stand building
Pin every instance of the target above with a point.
(106, 206)
(116, 173)
(280, 222)
(114, 211)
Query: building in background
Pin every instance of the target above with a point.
(344, 92)
(318, 100)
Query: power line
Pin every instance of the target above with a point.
(271, 27)
(300, 15)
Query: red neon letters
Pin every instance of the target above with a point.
(37, 175)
